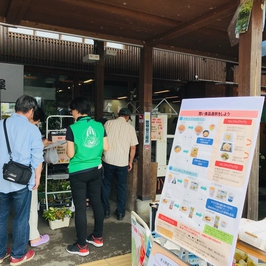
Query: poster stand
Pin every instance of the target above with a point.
(207, 175)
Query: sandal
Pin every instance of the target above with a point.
(44, 239)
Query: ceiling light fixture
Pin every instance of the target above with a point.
(121, 98)
(88, 81)
(90, 58)
(29, 77)
(171, 97)
(158, 92)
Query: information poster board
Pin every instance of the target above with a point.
(207, 176)
(147, 128)
(157, 128)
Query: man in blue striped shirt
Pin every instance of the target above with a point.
(27, 148)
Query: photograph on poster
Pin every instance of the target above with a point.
(210, 162)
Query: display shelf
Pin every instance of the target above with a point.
(51, 173)
(58, 176)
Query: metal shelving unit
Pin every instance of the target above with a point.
(59, 128)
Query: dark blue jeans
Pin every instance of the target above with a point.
(20, 201)
(120, 175)
(85, 184)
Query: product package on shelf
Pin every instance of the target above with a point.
(60, 137)
(253, 233)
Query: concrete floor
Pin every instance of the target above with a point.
(117, 241)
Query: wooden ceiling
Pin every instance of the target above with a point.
(190, 26)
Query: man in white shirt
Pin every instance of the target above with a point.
(118, 160)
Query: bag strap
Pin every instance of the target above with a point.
(7, 141)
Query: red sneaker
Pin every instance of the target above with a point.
(6, 255)
(27, 257)
(95, 241)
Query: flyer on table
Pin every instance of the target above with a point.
(161, 257)
(207, 175)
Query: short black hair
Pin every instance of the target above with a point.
(25, 103)
(81, 104)
(39, 115)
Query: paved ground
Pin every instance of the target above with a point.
(117, 241)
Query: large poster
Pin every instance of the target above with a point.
(207, 176)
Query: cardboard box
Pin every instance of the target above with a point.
(253, 233)
(61, 149)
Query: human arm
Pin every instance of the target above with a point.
(105, 144)
(70, 149)
(36, 156)
(132, 153)
(38, 172)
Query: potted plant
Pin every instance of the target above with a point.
(58, 217)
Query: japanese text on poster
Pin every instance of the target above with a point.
(206, 180)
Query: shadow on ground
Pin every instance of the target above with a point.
(117, 241)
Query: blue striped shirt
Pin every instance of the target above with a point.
(26, 146)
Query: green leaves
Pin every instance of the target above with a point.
(53, 214)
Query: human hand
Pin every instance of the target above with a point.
(46, 142)
(129, 167)
(37, 183)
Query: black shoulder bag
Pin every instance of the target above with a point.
(13, 171)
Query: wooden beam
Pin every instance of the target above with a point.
(250, 85)
(92, 35)
(192, 25)
(99, 80)
(250, 54)
(124, 13)
(145, 102)
(16, 11)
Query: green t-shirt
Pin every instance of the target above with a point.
(88, 143)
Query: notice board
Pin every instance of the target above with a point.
(207, 176)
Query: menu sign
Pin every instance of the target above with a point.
(207, 176)
(156, 128)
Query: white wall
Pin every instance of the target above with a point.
(13, 75)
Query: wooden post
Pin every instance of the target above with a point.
(99, 79)
(250, 85)
(145, 102)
